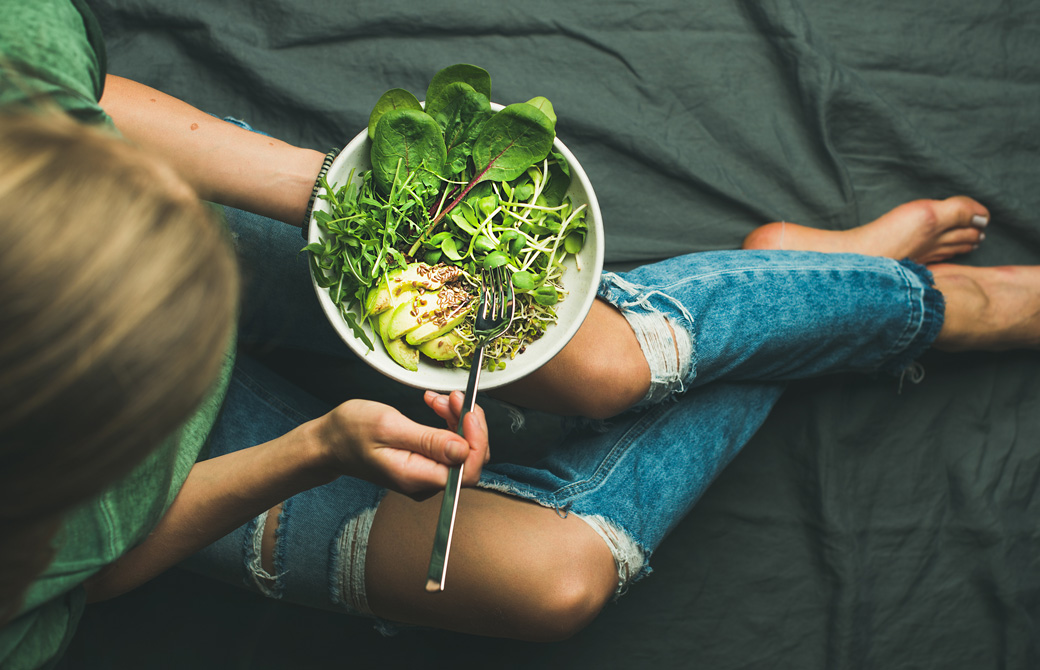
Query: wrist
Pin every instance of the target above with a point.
(312, 454)
(315, 188)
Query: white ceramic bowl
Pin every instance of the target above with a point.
(580, 285)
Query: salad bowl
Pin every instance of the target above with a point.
(580, 281)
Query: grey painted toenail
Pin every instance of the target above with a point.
(979, 221)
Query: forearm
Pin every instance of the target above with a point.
(219, 495)
(364, 439)
(226, 164)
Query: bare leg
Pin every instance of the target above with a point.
(989, 309)
(581, 380)
(516, 569)
(619, 378)
(927, 231)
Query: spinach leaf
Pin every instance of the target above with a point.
(395, 98)
(462, 117)
(545, 107)
(510, 142)
(437, 92)
(407, 141)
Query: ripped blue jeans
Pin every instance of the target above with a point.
(723, 332)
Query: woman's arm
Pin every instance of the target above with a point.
(363, 439)
(226, 164)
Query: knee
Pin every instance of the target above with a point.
(568, 600)
(611, 386)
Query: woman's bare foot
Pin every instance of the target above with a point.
(989, 309)
(926, 231)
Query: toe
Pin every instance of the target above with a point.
(962, 211)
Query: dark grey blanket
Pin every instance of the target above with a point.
(869, 524)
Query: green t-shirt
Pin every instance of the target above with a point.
(52, 49)
(56, 51)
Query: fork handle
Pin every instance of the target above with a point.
(449, 504)
(470, 400)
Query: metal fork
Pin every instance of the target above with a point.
(494, 315)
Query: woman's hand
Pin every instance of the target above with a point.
(372, 441)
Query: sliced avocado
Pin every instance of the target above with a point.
(378, 299)
(405, 355)
(432, 311)
(382, 322)
(416, 275)
(433, 328)
(441, 348)
(406, 316)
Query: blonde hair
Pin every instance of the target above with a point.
(117, 302)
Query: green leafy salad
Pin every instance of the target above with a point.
(455, 188)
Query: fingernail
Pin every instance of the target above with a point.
(979, 221)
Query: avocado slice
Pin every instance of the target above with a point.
(406, 356)
(441, 348)
(429, 314)
(406, 316)
(435, 327)
(416, 275)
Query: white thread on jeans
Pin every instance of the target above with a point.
(629, 559)
(666, 344)
(668, 351)
(264, 581)
(913, 372)
(349, 567)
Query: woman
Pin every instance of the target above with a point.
(572, 552)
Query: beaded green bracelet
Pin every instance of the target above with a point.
(325, 165)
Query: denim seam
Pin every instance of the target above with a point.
(606, 466)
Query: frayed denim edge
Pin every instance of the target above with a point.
(667, 344)
(347, 577)
(269, 585)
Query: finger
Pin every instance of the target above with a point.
(442, 407)
(474, 428)
(416, 476)
(455, 399)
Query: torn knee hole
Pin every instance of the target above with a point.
(261, 563)
(267, 541)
